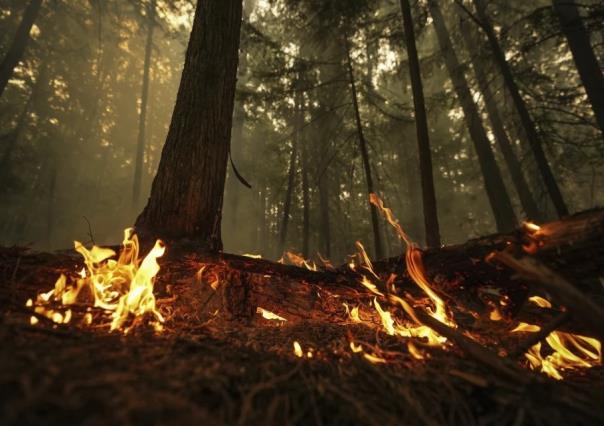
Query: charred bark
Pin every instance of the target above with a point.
(572, 246)
(431, 226)
(187, 192)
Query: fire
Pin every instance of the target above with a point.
(123, 287)
(297, 260)
(568, 351)
(298, 350)
(534, 235)
(415, 268)
(269, 315)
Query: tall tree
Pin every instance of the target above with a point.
(377, 239)
(187, 192)
(432, 230)
(583, 54)
(17, 48)
(142, 122)
(528, 124)
(291, 177)
(529, 205)
(499, 199)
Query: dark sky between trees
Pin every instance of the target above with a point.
(466, 117)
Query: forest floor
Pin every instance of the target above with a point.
(205, 369)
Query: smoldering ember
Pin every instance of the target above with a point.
(301, 212)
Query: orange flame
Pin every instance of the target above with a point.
(570, 351)
(123, 287)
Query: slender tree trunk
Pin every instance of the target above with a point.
(142, 123)
(187, 192)
(525, 118)
(300, 113)
(583, 54)
(17, 48)
(50, 203)
(423, 139)
(499, 199)
(527, 201)
(291, 178)
(263, 233)
(377, 239)
(325, 233)
(38, 91)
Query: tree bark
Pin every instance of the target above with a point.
(140, 146)
(527, 201)
(583, 54)
(377, 239)
(305, 190)
(17, 48)
(499, 199)
(525, 118)
(291, 177)
(432, 230)
(187, 192)
(325, 227)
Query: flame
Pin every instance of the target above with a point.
(534, 235)
(414, 351)
(123, 287)
(298, 350)
(374, 359)
(570, 351)
(415, 268)
(540, 301)
(269, 315)
(297, 260)
(495, 315)
(521, 327)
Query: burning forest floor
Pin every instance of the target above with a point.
(317, 360)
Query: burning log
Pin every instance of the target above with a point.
(459, 272)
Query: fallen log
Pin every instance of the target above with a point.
(574, 245)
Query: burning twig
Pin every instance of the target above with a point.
(534, 271)
(537, 337)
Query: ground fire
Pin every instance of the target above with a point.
(123, 288)
(335, 212)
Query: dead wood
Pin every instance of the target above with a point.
(531, 270)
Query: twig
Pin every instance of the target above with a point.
(535, 272)
(475, 350)
(89, 230)
(535, 338)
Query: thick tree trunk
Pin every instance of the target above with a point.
(525, 118)
(187, 192)
(377, 239)
(431, 226)
(583, 54)
(17, 48)
(527, 201)
(140, 146)
(291, 178)
(499, 199)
